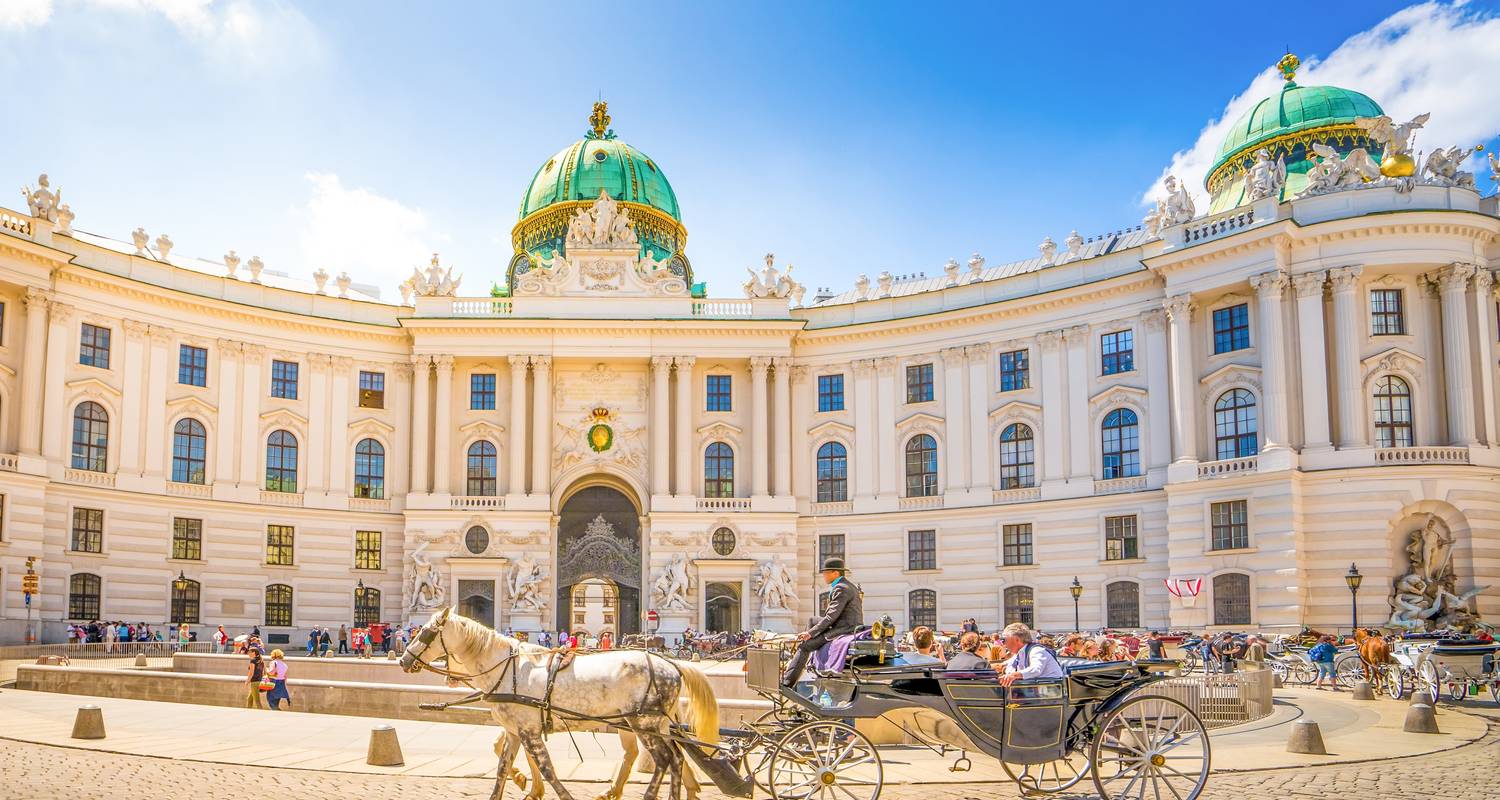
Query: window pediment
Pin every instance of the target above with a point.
(719, 429)
(1118, 395)
(1029, 413)
(92, 387)
(920, 419)
(1228, 376)
(192, 405)
(1394, 359)
(283, 417)
(830, 428)
(479, 426)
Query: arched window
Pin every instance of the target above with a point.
(1392, 413)
(90, 437)
(1122, 601)
(366, 606)
(718, 471)
(185, 601)
(83, 596)
(1122, 444)
(279, 605)
(921, 466)
(281, 462)
(189, 451)
(1019, 606)
(369, 469)
(1232, 599)
(833, 473)
(922, 604)
(1234, 425)
(482, 470)
(1017, 457)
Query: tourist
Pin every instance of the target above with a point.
(1072, 645)
(1229, 648)
(276, 671)
(606, 641)
(327, 642)
(221, 638)
(922, 639)
(254, 674)
(973, 654)
(1031, 660)
(1089, 650)
(343, 639)
(1255, 652)
(1321, 656)
(1155, 647)
(312, 642)
(183, 635)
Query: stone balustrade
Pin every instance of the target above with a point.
(1229, 466)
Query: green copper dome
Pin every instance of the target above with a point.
(580, 170)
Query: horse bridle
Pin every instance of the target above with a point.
(426, 637)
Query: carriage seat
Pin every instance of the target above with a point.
(868, 653)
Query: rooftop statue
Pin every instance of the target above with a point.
(141, 239)
(1266, 177)
(437, 282)
(42, 201)
(1175, 208)
(976, 268)
(1048, 249)
(1442, 167)
(769, 281)
(1075, 246)
(604, 224)
(1332, 173)
(1494, 168)
(1396, 140)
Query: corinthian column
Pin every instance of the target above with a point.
(1184, 382)
(782, 434)
(1313, 356)
(956, 439)
(1484, 314)
(541, 429)
(682, 485)
(1270, 289)
(421, 421)
(229, 398)
(1453, 283)
(981, 443)
(1054, 406)
(1081, 440)
(1347, 334)
(249, 477)
(33, 366)
(340, 451)
(759, 442)
(442, 433)
(1159, 391)
(885, 428)
(319, 364)
(162, 366)
(661, 373)
(130, 430)
(55, 413)
(863, 459)
(516, 436)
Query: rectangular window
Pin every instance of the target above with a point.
(284, 379)
(93, 347)
(831, 392)
(1230, 530)
(367, 549)
(923, 607)
(718, 393)
(919, 383)
(192, 365)
(187, 539)
(1118, 351)
(1016, 543)
(1231, 328)
(921, 550)
(279, 539)
(88, 530)
(830, 545)
(1015, 371)
(482, 390)
(1120, 538)
(371, 389)
(1387, 317)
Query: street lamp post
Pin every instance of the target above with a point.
(1077, 591)
(1353, 578)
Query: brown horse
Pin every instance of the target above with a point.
(1374, 652)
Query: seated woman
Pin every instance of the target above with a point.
(973, 654)
(1072, 646)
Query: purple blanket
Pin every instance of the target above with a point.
(830, 657)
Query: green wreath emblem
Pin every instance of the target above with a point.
(601, 438)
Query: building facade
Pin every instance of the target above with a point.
(1203, 421)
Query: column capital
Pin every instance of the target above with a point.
(1078, 334)
(254, 353)
(952, 355)
(759, 365)
(1270, 284)
(1345, 279)
(885, 365)
(1310, 284)
(518, 362)
(135, 330)
(37, 299)
(1484, 281)
(444, 363)
(1179, 308)
(799, 373)
(420, 361)
(160, 334)
(403, 369)
(862, 366)
(319, 362)
(541, 363)
(229, 347)
(1154, 319)
(661, 365)
(978, 353)
(1049, 340)
(61, 312)
(1454, 277)
(684, 362)
(341, 363)
(781, 362)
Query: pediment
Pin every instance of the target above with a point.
(1119, 394)
(92, 386)
(372, 423)
(1229, 299)
(1018, 409)
(193, 404)
(920, 418)
(829, 428)
(478, 425)
(283, 416)
(1394, 358)
(1231, 372)
(720, 428)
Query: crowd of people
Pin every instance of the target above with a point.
(113, 633)
(928, 647)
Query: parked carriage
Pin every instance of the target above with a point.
(1432, 664)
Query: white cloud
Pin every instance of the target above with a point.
(23, 14)
(1432, 57)
(374, 238)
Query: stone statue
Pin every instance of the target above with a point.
(526, 582)
(1426, 597)
(1395, 138)
(861, 286)
(163, 247)
(435, 282)
(42, 201)
(669, 591)
(1074, 243)
(775, 585)
(231, 263)
(406, 291)
(976, 268)
(1048, 249)
(1265, 177)
(884, 281)
(321, 279)
(65, 219)
(1180, 206)
(1442, 168)
(344, 282)
(141, 240)
(769, 281)
(255, 265)
(1495, 168)
(950, 272)
(1333, 173)
(427, 590)
(603, 225)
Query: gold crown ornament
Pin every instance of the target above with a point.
(601, 436)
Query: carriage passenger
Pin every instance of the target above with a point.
(973, 654)
(1031, 660)
(927, 651)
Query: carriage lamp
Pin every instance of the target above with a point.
(180, 582)
(1077, 591)
(1353, 578)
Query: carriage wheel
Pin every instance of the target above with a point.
(1053, 776)
(1304, 673)
(1495, 692)
(1280, 670)
(1457, 692)
(1150, 741)
(1350, 672)
(1395, 681)
(1427, 682)
(827, 761)
(1186, 665)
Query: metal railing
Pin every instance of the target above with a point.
(1221, 700)
(99, 654)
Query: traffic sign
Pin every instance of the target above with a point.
(652, 616)
(29, 584)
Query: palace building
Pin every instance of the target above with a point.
(1204, 420)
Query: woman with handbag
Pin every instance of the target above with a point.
(276, 672)
(256, 681)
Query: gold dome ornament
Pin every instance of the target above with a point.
(1400, 165)
(1288, 66)
(601, 436)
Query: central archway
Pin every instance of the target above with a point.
(599, 541)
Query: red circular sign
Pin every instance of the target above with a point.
(652, 616)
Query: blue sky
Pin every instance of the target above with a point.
(846, 138)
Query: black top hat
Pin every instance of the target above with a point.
(834, 563)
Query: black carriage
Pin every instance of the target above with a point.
(1099, 723)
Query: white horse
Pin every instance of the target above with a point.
(631, 690)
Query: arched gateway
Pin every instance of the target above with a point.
(599, 562)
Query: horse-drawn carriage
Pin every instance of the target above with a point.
(1430, 663)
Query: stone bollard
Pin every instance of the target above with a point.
(1276, 681)
(89, 724)
(1362, 691)
(140, 659)
(1306, 738)
(391, 656)
(1420, 718)
(385, 748)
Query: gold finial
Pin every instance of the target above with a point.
(600, 119)
(1288, 66)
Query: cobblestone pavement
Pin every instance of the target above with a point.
(41, 772)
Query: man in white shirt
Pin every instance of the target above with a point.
(1031, 660)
